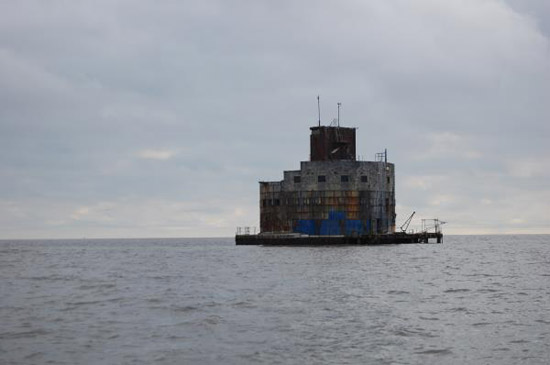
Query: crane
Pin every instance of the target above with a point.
(405, 225)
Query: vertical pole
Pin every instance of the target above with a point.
(385, 155)
(319, 109)
(339, 105)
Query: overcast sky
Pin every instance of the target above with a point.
(158, 118)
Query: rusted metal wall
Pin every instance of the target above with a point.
(332, 143)
(366, 198)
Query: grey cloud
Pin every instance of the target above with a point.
(85, 87)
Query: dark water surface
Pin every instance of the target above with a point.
(473, 299)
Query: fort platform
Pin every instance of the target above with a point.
(292, 239)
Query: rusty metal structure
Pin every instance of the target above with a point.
(333, 193)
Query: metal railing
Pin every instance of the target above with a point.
(245, 231)
(433, 224)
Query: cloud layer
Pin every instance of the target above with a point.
(134, 118)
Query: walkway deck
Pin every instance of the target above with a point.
(304, 240)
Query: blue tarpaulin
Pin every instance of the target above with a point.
(305, 226)
(330, 227)
(334, 215)
(354, 227)
(336, 224)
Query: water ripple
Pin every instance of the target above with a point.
(470, 300)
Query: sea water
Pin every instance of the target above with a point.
(472, 299)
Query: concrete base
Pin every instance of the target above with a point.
(304, 240)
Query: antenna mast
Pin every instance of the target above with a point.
(339, 105)
(319, 109)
